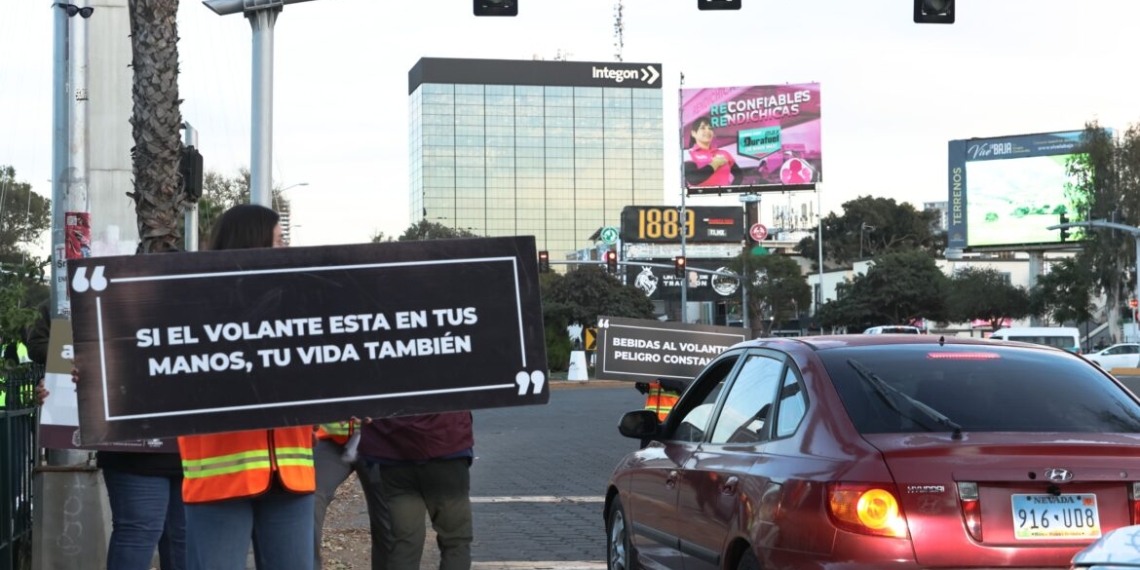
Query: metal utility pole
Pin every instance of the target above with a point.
(58, 162)
(619, 31)
(684, 192)
(262, 16)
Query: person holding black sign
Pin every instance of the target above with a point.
(423, 464)
(256, 483)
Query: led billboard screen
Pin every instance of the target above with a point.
(1006, 191)
(749, 139)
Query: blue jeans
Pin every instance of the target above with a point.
(146, 512)
(280, 524)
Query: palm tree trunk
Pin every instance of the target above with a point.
(156, 120)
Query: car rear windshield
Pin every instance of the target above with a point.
(978, 388)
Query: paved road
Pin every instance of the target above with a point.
(539, 477)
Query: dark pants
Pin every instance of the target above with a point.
(331, 472)
(440, 489)
(146, 513)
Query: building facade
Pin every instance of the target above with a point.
(553, 149)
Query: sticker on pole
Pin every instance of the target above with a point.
(758, 232)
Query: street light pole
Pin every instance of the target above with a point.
(262, 15)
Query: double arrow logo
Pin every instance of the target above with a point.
(649, 74)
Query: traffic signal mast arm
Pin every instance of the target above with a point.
(1112, 226)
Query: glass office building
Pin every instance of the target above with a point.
(553, 149)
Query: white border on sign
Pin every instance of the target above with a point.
(675, 331)
(103, 359)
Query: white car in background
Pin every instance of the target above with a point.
(1123, 355)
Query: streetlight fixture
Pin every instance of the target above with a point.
(262, 15)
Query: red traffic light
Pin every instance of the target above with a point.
(1133, 303)
(611, 261)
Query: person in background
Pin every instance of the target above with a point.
(144, 491)
(424, 464)
(255, 484)
(661, 395)
(335, 458)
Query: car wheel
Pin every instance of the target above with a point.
(619, 549)
(748, 562)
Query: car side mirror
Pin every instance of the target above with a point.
(640, 424)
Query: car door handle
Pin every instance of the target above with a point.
(671, 480)
(729, 486)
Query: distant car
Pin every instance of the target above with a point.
(1117, 550)
(1123, 355)
(893, 329)
(878, 452)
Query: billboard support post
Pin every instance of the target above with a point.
(684, 192)
(819, 239)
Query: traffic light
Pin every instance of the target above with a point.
(934, 11)
(679, 266)
(496, 7)
(544, 262)
(719, 4)
(1064, 231)
(190, 167)
(611, 261)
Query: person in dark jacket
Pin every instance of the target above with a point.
(423, 464)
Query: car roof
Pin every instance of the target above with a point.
(824, 342)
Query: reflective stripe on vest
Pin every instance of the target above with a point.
(660, 400)
(337, 431)
(234, 465)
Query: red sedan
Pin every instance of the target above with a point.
(878, 451)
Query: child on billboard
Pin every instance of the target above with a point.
(705, 164)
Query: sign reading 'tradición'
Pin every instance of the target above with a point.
(191, 343)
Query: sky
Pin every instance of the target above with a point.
(892, 92)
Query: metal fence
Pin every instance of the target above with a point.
(17, 461)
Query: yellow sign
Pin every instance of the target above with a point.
(591, 338)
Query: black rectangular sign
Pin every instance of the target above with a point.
(643, 351)
(192, 343)
(664, 224)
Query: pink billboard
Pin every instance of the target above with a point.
(749, 139)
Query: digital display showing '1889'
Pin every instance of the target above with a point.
(666, 224)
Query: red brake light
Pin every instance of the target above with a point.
(963, 356)
(971, 509)
(1134, 503)
(866, 509)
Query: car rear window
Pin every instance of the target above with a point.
(979, 388)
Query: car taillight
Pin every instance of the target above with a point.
(866, 509)
(971, 509)
(1134, 503)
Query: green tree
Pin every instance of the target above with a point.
(1105, 174)
(24, 215)
(986, 294)
(899, 288)
(424, 229)
(777, 289)
(158, 193)
(873, 226)
(1064, 293)
(582, 295)
(220, 193)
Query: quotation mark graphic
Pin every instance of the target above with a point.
(97, 282)
(525, 381)
(603, 323)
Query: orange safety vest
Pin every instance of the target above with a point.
(338, 431)
(660, 400)
(241, 464)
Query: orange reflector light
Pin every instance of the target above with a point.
(963, 356)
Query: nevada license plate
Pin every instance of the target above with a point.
(1053, 517)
